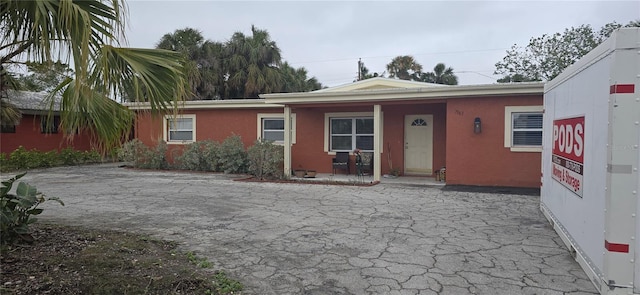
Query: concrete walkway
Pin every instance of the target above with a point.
(322, 239)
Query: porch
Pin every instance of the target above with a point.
(426, 181)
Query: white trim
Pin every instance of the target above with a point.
(327, 125)
(165, 136)
(276, 116)
(403, 94)
(210, 104)
(508, 111)
(377, 141)
(287, 141)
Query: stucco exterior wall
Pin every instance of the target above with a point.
(308, 151)
(29, 136)
(482, 159)
(213, 124)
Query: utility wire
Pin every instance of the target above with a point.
(388, 56)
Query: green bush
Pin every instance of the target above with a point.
(156, 158)
(142, 156)
(199, 156)
(232, 155)
(21, 159)
(192, 158)
(211, 155)
(4, 162)
(68, 156)
(91, 156)
(17, 210)
(265, 160)
(132, 151)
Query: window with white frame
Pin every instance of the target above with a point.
(180, 129)
(347, 134)
(271, 127)
(523, 128)
(527, 129)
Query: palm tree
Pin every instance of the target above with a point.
(9, 113)
(252, 65)
(203, 61)
(404, 67)
(440, 75)
(296, 80)
(87, 33)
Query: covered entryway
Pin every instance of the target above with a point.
(418, 144)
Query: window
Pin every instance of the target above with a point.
(181, 129)
(8, 128)
(347, 134)
(527, 129)
(271, 128)
(49, 126)
(523, 128)
(419, 122)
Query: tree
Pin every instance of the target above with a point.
(252, 65)
(44, 76)
(404, 67)
(204, 60)
(440, 75)
(296, 80)
(9, 113)
(88, 32)
(547, 56)
(365, 74)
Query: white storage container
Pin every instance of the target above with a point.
(590, 160)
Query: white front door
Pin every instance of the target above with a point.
(418, 144)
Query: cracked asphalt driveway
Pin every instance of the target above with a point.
(322, 239)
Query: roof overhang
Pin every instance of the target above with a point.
(212, 104)
(401, 94)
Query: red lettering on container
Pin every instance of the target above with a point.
(568, 139)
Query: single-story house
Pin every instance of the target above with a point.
(33, 132)
(487, 135)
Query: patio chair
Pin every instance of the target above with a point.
(364, 163)
(341, 162)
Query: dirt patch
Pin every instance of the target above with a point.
(70, 260)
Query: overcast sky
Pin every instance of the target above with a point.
(328, 37)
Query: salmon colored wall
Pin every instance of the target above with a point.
(29, 136)
(217, 124)
(482, 159)
(394, 133)
(308, 151)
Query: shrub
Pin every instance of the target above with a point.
(132, 151)
(69, 156)
(20, 158)
(141, 156)
(265, 160)
(156, 158)
(4, 162)
(192, 158)
(211, 155)
(91, 157)
(17, 210)
(232, 155)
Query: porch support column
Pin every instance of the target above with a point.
(377, 141)
(287, 141)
